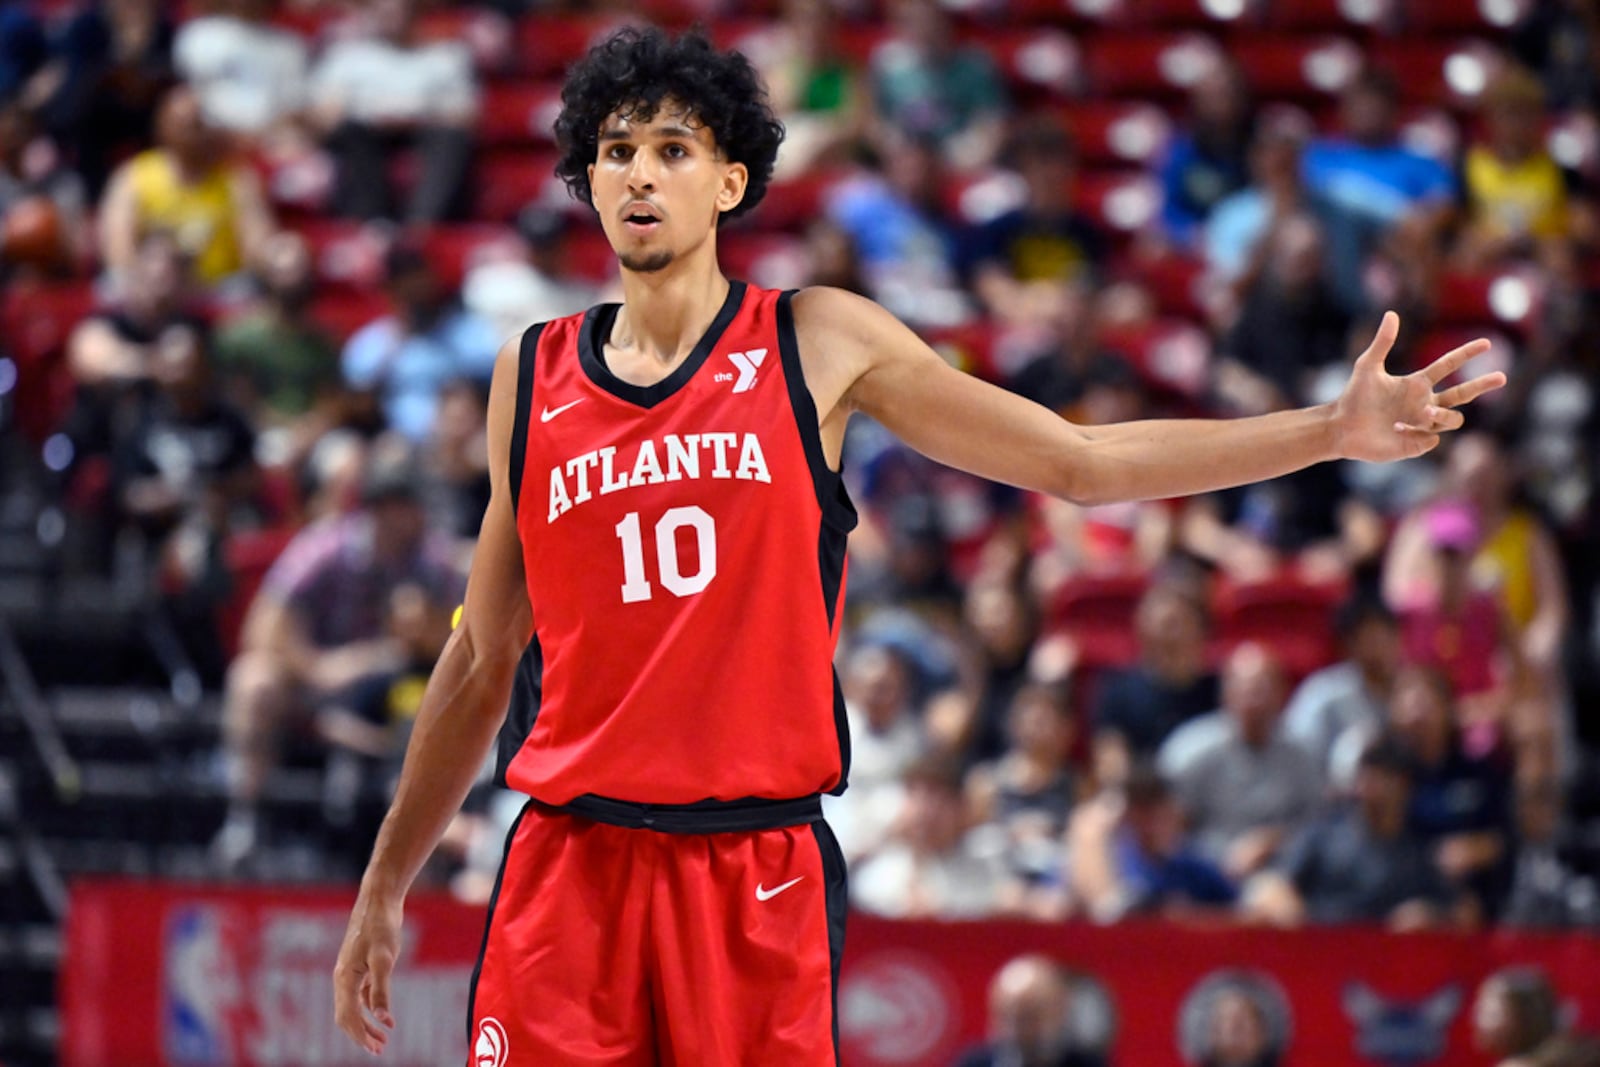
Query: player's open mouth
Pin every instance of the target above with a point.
(641, 219)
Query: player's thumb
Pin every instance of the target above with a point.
(380, 964)
(1378, 351)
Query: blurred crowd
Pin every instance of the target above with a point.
(300, 232)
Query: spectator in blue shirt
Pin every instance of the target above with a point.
(1209, 160)
(406, 358)
(1132, 855)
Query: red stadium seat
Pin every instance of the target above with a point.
(1464, 16)
(1121, 201)
(1037, 60)
(507, 181)
(453, 249)
(1292, 617)
(590, 255)
(248, 556)
(770, 260)
(1175, 280)
(1435, 71)
(793, 204)
(1117, 132)
(1333, 16)
(546, 45)
(1097, 612)
(518, 113)
(344, 253)
(1172, 356)
(1510, 298)
(343, 313)
(1147, 65)
(1293, 67)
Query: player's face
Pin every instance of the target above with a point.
(659, 185)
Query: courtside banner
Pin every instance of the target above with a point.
(188, 976)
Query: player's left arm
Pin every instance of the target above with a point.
(858, 357)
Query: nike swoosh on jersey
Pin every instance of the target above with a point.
(549, 413)
(764, 894)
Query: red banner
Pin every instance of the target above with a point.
(159, 974)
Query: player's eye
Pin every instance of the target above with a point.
(617, 151)
(675, 151)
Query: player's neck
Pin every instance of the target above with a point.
(664, 313)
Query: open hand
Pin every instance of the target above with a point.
(361, 977)
(1381, 417)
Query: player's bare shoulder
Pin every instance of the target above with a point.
(842, 335)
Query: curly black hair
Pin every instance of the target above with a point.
(635, 69)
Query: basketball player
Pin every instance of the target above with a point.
(668, 522)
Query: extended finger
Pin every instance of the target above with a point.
(1378, 350)
(1451, 361)
(1467, 392)
(376, 990)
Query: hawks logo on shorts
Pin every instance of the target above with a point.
(490, 1048)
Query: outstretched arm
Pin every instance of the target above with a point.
(462, 709)
(859, 357)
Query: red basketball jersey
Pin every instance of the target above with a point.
(684, 545)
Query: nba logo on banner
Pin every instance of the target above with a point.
(490, 1048)
(201, 989)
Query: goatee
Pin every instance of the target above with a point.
(645, 263)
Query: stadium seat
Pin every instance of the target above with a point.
(546, 46)
(248, 556)
(1097, 612)
(507, 181)
(1120, 201)
(1117, 132)
(344, 254)
(1510, 298)
(770, 260)
(1292, 617)
(1171, 356)
(1453, 72)
(343, 313)
(1174, 279)
(519, 113)
(792, 204)
(454, 249)
(1161, 65)
(1332, 16)
(1296, 68)
(1464, 16)
(35, 323)
(1037, 60)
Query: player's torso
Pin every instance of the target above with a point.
(683, 573)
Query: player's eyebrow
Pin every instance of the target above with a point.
(623, 133)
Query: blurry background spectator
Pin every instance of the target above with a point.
(42, 226)
(1207, 161)
(1128, 853)
(1518, 1017)
(927, 868)
(382, 88)
(1364, 863)
(111, 63)
(188, 187)
(249, 74)
(405, 359)
(927, 84)
(1245, 787)
(319, 626)
(530, 277)
(1031, 1019)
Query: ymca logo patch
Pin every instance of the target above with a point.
(747, 363)
(490, 1048)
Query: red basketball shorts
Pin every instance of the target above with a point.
(620, 946)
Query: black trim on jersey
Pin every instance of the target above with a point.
(700, 817)
(596, 331)
(837, 509)
(836, 894)
(488, 922)
(838, 513)
(527, 693)
(519, 425)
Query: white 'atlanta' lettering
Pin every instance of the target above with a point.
(603, 471)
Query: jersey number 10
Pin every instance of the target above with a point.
(636, 586)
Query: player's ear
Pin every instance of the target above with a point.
(589, 170)
(735, 176)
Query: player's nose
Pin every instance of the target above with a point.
(641, 173)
